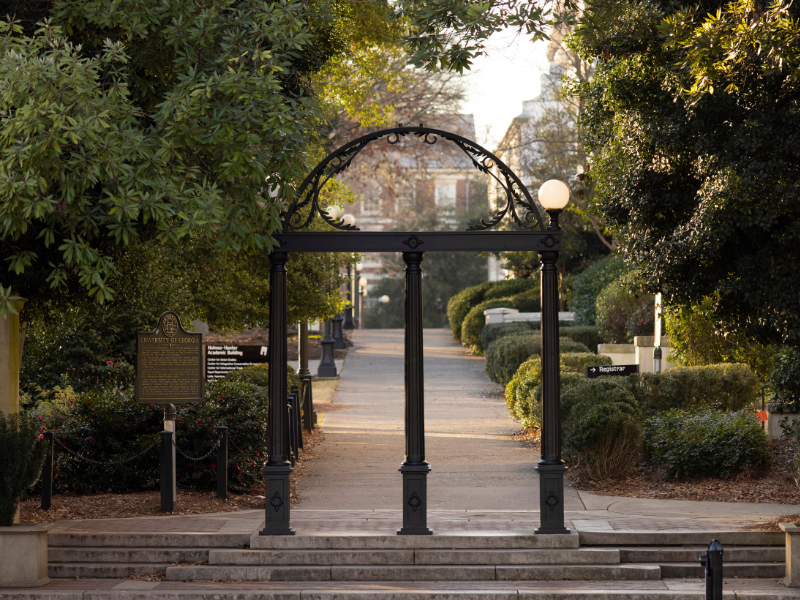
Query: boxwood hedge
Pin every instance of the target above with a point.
(504, 356)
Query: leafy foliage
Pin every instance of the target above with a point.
(706, 442)
(587, 285)
(21, 458)
(462, 303)
(785, 381)
(475, 320)
(505, 355)
(615, 306)
(689, 115)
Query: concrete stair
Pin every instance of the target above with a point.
(458, 559)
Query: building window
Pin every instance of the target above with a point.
(372, 198)
(446, 193)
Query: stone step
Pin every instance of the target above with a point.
(681, 538)
(149, 540)
(692, 554)
(729, 569)
(413, 557)
(126, 555)
(460, 573)
(102, 570)
(400, 542)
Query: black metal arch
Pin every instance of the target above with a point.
(517, 194)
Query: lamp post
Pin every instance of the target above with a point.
(657, 332)
(553, 196)
(348, 312)
(384, 300)
(362, 293)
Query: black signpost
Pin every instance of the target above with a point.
(169, 371)
(613, 370)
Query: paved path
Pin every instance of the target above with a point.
(475, 463)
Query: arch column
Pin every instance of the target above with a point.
(277, 469)
(415, 468)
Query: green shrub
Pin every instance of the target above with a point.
(614, 307)
(587, 335)
(494, 331)
(588, 284)
(259, 375)
(108, 425)
(600, 423)
(706, 442)
(459, 305)
(462, 303)
(475, 320)
(21, 458)
(727, 387)
(504, 356)
(522, 387)
(785, 381)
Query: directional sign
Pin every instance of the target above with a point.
(614, 370)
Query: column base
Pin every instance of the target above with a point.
(415, 500)
(276, 500)
(551, 498)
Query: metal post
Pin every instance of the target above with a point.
(297, 422)
(276, 471)
(657, 359)
(712, 561)
(551, 468)
(357, 298)
(338, 334)
(222, 463)
(309, 416)
(170, 413)
(290, 431)
(47, 472)
(415, 468)
(348, 312)
(327, 366)
(167, 480)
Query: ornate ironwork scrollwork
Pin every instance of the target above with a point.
(517, 195)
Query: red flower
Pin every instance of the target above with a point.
(41, 435)
(213, 465)
(43, 427)
(236, 465)
(88, 404)
(109, 362)
(40, 418)
(199, 421)
(152, 406)
(239, 471)
(91, 438)
(256, 452)
(191, 464)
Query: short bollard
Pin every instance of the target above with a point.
(290, 430)
(222, 463)
(712, 561)
(308, 404)
(297, 426)
(165, 483)
(47, 472)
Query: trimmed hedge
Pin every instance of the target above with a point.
(494, 331)
(459, 306)
(587, 335)
(504, 356)
(520, 390)
(706, 443)
(588, 284)
(475, 320)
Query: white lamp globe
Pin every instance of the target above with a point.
(359, 266)
(554, 194)
(384, 299)
(334, 212)
(348, 219)
(362, 282)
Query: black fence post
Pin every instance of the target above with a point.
(297, 426)
(712, 561)
(327, 364)
(222, 463)
(47, 472)
(309, 415)
(165, 483)
(290, 430)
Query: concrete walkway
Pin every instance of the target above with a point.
(475, 463)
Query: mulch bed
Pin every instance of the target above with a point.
(72, 506)
(774, 486)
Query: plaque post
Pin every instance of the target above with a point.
(169, 425)
(276, 471)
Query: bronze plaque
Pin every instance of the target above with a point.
(169, 364)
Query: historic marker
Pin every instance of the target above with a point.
(169, 364)
(614, 370)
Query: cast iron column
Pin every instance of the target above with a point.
(338, 334)
(348, 312)
(415, 468)
(327, 365)
(276, 471)
(551, 468)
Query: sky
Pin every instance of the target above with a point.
(498, 83)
